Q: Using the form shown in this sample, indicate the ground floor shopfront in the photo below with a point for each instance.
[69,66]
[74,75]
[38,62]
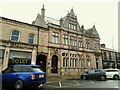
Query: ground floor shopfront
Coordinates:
[17,53]
[108,64]
[111,64]
[54,61]
[118,64]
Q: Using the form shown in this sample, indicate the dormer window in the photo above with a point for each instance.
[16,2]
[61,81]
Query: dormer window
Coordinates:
[72,26]
[69,26]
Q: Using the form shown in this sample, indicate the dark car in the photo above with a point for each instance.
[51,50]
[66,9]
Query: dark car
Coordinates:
[20,76]
[97,74]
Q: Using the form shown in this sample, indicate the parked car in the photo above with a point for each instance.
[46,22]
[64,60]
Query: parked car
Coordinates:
[20,76]
[113,73]
[97,74]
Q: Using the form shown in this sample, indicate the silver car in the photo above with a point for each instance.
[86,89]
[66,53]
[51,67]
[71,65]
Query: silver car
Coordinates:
[113,73]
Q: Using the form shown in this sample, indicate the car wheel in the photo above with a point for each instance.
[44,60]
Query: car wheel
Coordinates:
[102,78]
[116,77]
[84,78]
[19,84]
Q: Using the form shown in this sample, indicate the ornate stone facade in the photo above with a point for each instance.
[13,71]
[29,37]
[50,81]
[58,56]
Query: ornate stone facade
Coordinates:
[61,47]
[71,48]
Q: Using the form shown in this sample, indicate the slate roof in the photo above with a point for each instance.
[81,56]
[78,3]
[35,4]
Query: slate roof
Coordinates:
[92,32]
[51,20]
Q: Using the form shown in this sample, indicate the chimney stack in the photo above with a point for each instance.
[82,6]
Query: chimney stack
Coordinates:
[43,12]
[103,46]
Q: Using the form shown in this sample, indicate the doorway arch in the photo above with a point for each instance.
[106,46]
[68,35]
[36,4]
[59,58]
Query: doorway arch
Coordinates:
[41,60]
[54,64]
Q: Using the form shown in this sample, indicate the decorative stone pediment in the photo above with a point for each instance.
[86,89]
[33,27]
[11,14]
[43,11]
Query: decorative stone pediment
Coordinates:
[70,21]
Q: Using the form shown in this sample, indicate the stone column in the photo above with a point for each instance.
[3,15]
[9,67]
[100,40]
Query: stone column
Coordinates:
[34,55]
[6,58]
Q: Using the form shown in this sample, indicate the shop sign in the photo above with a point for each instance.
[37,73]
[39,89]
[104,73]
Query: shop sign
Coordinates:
[20,45]
[19,61]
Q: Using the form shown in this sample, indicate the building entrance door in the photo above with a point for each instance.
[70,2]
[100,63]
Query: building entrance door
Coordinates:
[97,63]
[54,64]
[41,60]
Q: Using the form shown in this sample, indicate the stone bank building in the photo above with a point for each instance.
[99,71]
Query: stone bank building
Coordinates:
[62,47]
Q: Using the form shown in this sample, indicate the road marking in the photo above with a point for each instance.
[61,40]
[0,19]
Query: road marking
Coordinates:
[40,85]
[76,82]
[91,81]
[52,86]
[116,86]
[60,84]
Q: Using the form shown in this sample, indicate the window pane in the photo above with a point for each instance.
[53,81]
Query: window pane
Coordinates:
[1,54]
[31,35]
[66,62]
[31,38]
[56,39]
[14,38]
[56,34]
[52,39]
[15,35]
[63,62]
[31,41]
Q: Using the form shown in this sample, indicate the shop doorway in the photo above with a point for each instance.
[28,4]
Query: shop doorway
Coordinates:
[97,63]
[41,60]
[54,64]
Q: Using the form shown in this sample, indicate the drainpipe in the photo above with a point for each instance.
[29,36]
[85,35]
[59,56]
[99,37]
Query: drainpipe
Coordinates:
[37,40]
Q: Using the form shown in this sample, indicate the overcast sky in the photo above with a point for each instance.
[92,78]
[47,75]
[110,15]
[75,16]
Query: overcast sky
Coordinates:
[102,13]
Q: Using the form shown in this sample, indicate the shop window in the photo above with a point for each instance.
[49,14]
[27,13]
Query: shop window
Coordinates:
[18,57]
